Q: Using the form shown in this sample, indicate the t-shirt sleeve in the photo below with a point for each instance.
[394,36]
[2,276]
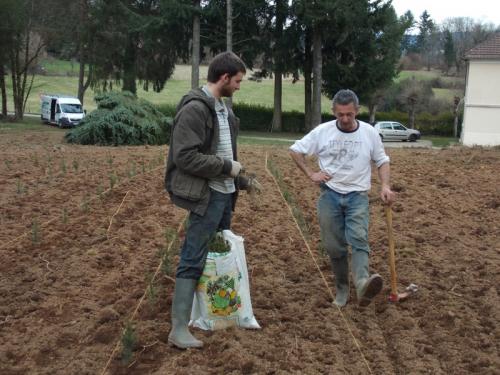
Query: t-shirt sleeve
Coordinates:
[379,156]
[307,145]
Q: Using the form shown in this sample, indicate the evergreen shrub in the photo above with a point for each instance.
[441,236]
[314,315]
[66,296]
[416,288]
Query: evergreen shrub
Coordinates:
[427,123]
[259,118]
[122,119]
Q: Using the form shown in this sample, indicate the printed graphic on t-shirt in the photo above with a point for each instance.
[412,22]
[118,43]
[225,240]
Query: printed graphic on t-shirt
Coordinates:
[344,152]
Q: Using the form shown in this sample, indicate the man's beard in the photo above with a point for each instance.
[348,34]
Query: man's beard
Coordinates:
[226,91]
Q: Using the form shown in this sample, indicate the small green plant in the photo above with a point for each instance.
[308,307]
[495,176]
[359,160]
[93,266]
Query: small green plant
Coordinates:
[143,165]
[100,189]
[166,261]
[218,244]
[34,157]
[35,232]
[63,166]
[132,171]
[322,250]
[171,238]
[65,215]
[160,159]
[128,341]
[286,195]
[50,171]
[75,165]
[20,189]
[110,160]
[112,179]
[151,291]
[170,235]
[85,207]
[165,252]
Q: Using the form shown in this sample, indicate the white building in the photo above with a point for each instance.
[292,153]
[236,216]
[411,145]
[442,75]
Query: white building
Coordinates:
[481,123]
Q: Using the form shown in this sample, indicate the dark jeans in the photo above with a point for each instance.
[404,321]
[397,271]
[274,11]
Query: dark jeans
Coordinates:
[200,229]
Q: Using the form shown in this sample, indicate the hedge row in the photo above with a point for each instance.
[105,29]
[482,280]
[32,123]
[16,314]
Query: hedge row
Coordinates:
[259,118]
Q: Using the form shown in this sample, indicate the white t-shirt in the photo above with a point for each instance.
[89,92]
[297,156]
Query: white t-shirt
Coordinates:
[346,156]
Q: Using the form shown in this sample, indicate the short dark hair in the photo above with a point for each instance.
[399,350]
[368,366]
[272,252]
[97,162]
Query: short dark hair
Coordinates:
[344,97]
[225,62]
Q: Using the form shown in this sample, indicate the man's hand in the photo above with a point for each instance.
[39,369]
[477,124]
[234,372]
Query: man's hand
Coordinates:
[253,186]
[319,177]
[387,195]
[235,168]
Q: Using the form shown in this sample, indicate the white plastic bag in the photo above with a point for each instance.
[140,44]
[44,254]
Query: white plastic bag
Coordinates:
[222,297]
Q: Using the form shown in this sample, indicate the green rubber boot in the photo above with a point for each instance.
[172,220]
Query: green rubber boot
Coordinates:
[367,287]
[181,312]
[340,268]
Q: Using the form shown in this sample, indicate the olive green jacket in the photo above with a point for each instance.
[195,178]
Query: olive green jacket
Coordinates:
[192,159]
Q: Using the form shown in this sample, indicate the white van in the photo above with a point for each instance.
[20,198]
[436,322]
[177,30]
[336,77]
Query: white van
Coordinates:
[63,111]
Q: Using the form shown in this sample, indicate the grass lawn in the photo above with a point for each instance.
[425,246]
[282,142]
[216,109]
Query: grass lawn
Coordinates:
[28,124]
[447,94]
[251,92]
[440,93]
[438,141]
[421,75]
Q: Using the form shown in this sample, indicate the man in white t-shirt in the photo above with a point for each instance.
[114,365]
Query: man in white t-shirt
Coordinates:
[345,149]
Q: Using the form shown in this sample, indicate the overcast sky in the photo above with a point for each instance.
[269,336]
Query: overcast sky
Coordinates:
[480,10]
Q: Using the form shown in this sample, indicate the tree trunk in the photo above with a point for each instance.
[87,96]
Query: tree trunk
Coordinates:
[277,124]
[129,71]
[229,38]
[456,102]
[317,77]
[279,56]
[411,116]
[372,109]
[195,61]
[3,90]
[81,74]
[455,125]
[82,84]
[307,82]
[16,86]
[229,25]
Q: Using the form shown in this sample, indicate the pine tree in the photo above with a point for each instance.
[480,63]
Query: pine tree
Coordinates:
[449,50]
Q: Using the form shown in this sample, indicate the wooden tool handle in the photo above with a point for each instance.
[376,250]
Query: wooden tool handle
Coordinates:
[392,255]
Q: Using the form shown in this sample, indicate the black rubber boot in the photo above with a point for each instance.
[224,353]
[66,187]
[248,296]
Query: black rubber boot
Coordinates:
[181,312]
[340,268]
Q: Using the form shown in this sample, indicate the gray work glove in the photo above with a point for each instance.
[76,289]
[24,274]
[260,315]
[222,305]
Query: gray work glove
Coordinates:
[253,185]
[235,168]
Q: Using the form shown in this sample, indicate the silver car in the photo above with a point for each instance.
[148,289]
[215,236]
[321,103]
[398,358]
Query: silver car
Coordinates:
[394,131]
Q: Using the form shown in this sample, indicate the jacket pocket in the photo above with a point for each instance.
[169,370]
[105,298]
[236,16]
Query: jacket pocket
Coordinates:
[189,187]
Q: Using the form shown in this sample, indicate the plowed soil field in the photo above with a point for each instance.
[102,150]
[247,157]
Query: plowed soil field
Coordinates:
[84,230]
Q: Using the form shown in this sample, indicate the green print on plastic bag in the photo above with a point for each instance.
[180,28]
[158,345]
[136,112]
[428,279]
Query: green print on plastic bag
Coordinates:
[223,298]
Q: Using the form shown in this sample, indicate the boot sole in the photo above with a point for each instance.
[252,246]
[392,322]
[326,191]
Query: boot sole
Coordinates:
[181,346]
[373,288]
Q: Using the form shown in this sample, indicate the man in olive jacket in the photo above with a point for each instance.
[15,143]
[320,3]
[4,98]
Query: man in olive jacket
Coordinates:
[203,177]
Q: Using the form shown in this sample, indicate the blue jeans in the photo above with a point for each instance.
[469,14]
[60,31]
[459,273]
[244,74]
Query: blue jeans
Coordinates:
[343,220]
[200,229]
